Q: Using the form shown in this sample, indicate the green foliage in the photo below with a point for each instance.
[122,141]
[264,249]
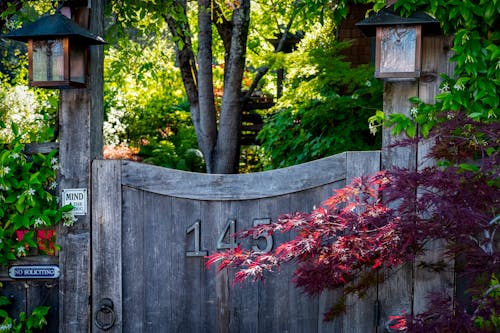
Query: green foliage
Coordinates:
[474,87]
[166,136]
[27,201]
[324,109]
[489,320]
[145,104]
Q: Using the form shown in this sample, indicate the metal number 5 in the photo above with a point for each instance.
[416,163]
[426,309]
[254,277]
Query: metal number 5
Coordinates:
[268,238]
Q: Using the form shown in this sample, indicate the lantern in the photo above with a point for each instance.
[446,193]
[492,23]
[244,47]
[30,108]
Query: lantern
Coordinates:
[398,45]
[57,51]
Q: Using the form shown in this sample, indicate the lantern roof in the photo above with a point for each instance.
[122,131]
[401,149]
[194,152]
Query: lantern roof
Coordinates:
[54,26]
[388,16]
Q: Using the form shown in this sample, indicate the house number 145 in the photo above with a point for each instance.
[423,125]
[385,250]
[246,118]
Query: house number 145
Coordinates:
[228,233]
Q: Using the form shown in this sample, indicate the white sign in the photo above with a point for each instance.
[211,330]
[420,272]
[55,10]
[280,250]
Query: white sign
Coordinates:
[34,272]
[77,197]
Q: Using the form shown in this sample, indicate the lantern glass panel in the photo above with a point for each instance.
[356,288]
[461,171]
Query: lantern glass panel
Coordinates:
[48,60]
[77,67]
[398,49]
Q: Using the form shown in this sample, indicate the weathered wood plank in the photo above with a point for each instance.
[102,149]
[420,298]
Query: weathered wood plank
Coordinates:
[234,187]
[217,309]
[159,276]
[74,261]
[187,296]
[134,278]
[244,301]
[436,52]
[274,301]
[360,311]
[40,148]
[395,294]
[107,239]
[304,308]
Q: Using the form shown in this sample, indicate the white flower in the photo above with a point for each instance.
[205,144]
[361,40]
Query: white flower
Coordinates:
[445,88]
[5,170]
[54,161]
[354,96]
[459,86]
[413,112]
[69,219]
[373,128]
[14,156]
[31,191]
[21,251]
[53,186]
[368,83]
[5,328]
[56,166]
[39,222]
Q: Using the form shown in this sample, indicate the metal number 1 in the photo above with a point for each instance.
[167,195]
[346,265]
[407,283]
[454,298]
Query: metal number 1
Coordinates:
[196,229]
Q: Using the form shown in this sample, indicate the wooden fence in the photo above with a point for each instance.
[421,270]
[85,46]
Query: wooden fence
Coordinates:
[153,226]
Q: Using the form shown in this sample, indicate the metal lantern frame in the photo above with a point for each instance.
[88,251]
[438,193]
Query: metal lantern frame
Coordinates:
[56,33]
[398,48]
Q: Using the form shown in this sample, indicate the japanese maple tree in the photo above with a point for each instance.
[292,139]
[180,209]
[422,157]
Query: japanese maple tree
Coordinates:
[380,222]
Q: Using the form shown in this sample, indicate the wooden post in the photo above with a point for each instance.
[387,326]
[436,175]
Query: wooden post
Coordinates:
[406,288]
[395,293]
[436,52]
[80,141]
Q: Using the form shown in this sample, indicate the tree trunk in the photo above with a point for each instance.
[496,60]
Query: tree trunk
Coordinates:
[227,149]
[220,146]
[207,132]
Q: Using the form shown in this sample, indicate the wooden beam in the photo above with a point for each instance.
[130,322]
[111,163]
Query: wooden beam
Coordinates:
[80,141]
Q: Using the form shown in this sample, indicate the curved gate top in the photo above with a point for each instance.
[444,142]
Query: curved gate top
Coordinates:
[152,228]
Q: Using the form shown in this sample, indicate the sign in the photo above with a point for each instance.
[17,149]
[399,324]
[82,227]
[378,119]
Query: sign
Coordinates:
[77,197]
[34,272]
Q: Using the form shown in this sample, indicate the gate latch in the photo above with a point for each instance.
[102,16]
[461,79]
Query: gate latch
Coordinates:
[105,315]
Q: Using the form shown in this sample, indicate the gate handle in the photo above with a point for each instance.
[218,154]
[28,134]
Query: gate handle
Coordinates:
[105,308]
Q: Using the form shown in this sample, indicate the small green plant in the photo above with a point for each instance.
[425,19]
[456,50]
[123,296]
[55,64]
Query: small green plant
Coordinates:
[24,323]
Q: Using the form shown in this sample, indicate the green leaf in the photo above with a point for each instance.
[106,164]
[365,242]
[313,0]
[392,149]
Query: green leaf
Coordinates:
[469,167]
[411,130]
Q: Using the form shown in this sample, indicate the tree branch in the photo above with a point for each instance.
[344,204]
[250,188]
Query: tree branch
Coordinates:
[224,27]
[261,71]
[184,51]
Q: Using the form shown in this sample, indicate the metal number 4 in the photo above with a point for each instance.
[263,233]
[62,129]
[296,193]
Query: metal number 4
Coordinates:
[229,233]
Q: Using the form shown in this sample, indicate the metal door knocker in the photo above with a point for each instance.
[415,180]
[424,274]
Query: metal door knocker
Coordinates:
[105,315]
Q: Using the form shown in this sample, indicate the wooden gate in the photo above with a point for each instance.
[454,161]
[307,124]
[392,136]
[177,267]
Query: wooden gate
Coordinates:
[153,226]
